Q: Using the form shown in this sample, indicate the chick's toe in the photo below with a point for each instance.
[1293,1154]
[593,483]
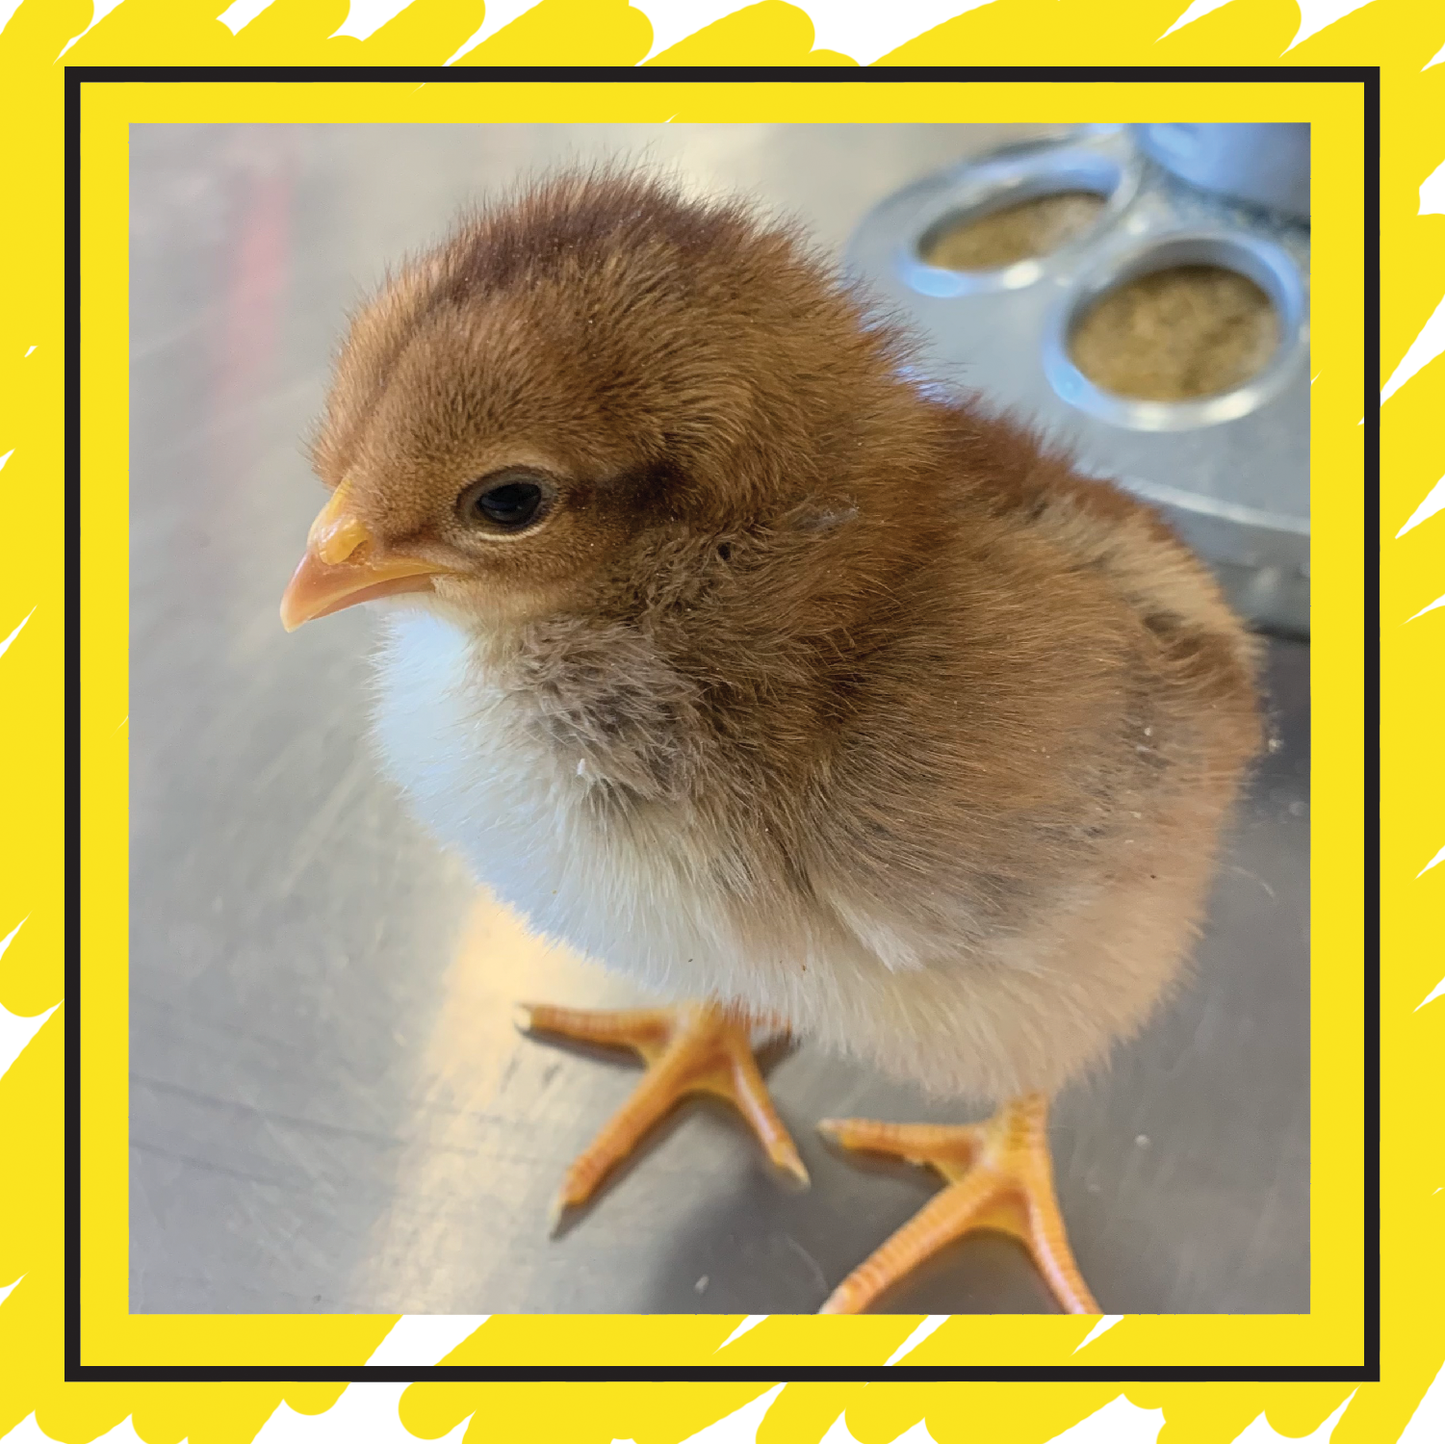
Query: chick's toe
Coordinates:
[999,1177]
[690,1048]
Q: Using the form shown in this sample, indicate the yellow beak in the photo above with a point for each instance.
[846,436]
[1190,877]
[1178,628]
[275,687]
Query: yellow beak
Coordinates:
[341,568]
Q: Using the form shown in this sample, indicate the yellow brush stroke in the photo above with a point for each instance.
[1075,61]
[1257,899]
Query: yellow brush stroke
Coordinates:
[1394,36]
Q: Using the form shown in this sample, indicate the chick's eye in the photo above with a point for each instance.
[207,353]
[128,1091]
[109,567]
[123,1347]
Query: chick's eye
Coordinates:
[513,503]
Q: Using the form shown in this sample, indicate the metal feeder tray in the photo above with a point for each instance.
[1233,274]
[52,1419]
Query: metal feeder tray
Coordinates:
[1230,471]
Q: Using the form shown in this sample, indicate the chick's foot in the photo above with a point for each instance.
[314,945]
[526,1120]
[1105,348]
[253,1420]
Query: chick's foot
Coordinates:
[691,1048]
[999,1177]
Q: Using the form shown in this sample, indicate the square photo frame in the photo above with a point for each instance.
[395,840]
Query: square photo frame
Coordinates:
[1337,1340]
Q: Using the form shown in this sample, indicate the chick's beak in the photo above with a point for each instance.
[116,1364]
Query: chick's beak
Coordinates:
[342,567]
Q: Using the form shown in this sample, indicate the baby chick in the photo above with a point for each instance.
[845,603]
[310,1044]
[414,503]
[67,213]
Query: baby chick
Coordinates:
[734,660]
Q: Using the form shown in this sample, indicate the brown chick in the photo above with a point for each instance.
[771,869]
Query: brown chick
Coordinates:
[730,658]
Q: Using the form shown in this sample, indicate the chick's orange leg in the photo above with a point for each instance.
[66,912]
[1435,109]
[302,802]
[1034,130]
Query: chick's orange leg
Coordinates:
[692,1048]
[999,1177]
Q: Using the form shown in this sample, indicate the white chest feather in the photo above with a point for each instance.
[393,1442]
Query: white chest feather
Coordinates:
[532,822]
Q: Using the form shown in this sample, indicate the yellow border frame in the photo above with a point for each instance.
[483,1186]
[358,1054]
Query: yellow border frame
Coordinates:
[1331,1334]
[1384,33]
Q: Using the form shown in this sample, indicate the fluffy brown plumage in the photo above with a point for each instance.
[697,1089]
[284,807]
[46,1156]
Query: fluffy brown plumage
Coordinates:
[896,724]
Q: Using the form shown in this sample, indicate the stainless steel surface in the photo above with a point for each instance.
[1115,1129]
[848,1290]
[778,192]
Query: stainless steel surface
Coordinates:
[330,1107]
[1266,165]
[1231,471]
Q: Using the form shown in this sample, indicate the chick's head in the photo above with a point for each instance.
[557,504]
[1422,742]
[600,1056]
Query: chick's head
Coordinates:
[595,367]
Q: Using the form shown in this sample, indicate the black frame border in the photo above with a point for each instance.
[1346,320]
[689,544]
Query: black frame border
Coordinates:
[1368,77]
